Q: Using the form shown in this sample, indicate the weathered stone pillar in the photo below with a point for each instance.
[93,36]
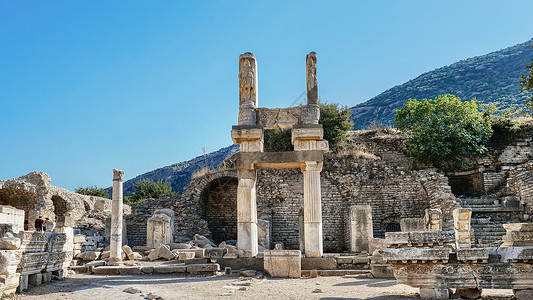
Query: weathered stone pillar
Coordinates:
[115,248]
[360,227]
[433,219]
[312,209]
[247,213]
[461,221]
[247,89]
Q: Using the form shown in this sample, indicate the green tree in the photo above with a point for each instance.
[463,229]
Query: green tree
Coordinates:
[146,188]
[335,120]
[277,140]
[527,83]
[92,191]
[444,131]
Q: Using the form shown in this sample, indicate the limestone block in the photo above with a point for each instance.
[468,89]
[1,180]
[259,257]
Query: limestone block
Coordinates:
[412,224]
[9,283]
[461,221]
[215,252]
[527,227]
[91,255]
[201,241]
[473,254]
[525,294]
[510,254]
[415,254]
[158,230]
[23,284]
[198,253]
[127,250]
[12,216]
[33,262]
[169,269]
[35,279]
[135,256]
[433,219]
[65,221]
[10,242]
[382,271]
[179,246]
[182,256]
[437,293]
[194,261]
[163,251]
[96,263]
[422,238]
[376,243]
[32,241]
[360,227]
[318,263]
[203,268]
[283,263]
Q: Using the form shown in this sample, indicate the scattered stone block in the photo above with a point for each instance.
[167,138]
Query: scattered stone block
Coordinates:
[215,252]
[183,256]
[468,293]
[193,261]
[203,269]
[247,273]
[318,263]
[9,241]
[198,253]
[382,271]
[284,263]
[201,241]
[179,246]
[163,251]
[230,256]
[440,293]
[523,294]
[132,290]
[91,255]
[96,263]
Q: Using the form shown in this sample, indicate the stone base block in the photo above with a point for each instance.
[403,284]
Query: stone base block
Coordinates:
[434,293]
[117,270]
[183,256]
[47,277]
[313,239]
[284,263]
[248,263]
[469,293]
[198,253]
[203,269]
[194,261]
[35,279]
[319,263]
[169,269]
[23,283]
[382,271]
[523,294]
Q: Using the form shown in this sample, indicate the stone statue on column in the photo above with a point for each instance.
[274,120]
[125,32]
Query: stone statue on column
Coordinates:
[247,89]
[311,112]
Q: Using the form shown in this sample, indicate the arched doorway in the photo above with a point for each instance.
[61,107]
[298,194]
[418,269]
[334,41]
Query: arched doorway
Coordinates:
[19,199]
[220,208]
[60,206]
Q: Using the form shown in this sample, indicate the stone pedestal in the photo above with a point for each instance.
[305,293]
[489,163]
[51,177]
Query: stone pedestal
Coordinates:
[283,263]
[115,247]
[461,221]
[312,209]
[247,214]
[433,219]
[159,228]
[412,224]
[360,227]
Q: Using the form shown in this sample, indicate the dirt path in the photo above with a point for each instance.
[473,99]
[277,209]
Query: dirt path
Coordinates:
[94,287]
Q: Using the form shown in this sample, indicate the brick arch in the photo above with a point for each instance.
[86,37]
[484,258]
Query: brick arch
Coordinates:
[60,206]
[20,198]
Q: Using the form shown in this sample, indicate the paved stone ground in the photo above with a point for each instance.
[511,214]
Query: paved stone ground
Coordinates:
[82,286]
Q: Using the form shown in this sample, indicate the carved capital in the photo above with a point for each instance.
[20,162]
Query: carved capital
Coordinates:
[247,174]
[312,166]
[118,175]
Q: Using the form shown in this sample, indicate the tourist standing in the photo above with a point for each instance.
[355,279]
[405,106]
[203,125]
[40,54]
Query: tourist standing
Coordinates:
[49,225]
[39,224]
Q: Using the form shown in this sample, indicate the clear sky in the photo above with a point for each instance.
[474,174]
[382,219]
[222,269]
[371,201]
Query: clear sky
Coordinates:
[89,86]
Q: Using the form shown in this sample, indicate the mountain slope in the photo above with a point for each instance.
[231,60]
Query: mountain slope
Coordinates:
[179,175]
[488,78]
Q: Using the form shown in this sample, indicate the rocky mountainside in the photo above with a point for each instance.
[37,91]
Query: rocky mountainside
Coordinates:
[493,77]
[179,174]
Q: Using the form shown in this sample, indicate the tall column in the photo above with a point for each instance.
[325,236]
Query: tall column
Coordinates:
[115,256]
[247,213]
[312,209]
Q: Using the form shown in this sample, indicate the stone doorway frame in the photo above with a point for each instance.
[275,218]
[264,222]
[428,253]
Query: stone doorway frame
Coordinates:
[309,146]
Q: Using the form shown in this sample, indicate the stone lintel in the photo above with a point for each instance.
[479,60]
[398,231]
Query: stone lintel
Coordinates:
[275,160]
[415,254]
[473,254]
[420,237]
[313,132]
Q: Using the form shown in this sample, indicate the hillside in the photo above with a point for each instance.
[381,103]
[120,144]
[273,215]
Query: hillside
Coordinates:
[488,78]
[179,174]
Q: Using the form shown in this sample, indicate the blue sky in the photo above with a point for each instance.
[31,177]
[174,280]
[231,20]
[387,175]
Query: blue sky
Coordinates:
[86,87]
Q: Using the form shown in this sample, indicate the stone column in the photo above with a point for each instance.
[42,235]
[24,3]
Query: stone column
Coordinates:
[247,89]
[312,209]
[433,219]
[115,255]
[461,222]
[361,229]
[247,213]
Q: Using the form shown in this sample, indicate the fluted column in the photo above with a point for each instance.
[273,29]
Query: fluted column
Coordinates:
[247,213]
[312,209]
[115,247]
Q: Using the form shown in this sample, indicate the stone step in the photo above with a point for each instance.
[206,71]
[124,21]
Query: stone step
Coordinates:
[340,272]
[478,201]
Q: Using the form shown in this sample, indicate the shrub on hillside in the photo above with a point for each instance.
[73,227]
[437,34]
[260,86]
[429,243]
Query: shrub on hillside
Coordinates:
[92,191]
[146,188]
[445,131]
